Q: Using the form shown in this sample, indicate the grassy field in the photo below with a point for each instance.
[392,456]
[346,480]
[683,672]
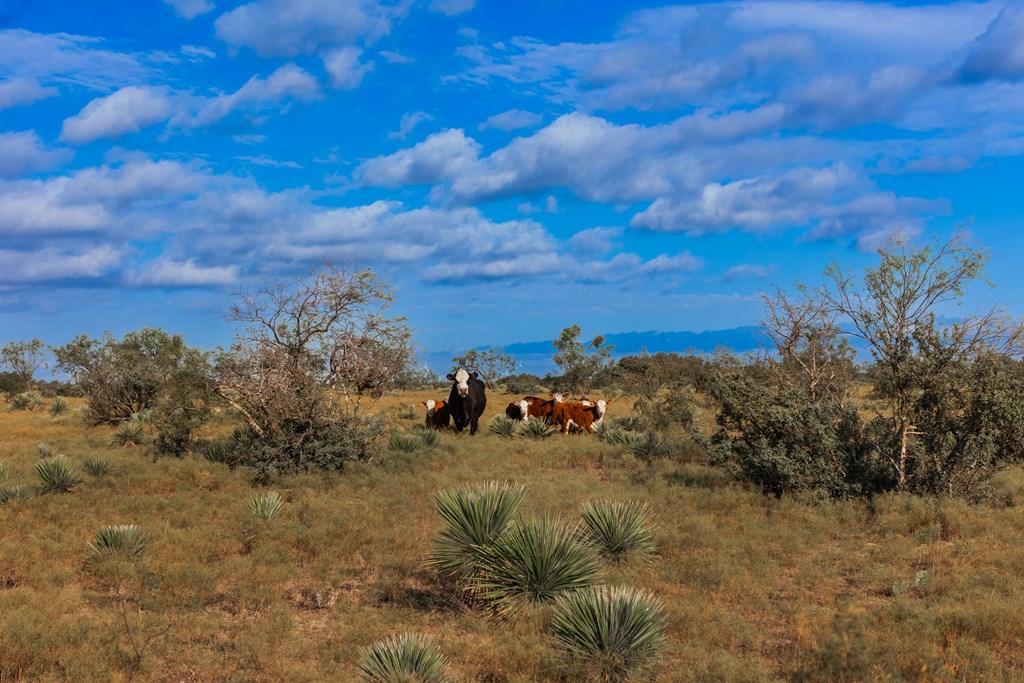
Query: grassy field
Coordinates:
[755,589]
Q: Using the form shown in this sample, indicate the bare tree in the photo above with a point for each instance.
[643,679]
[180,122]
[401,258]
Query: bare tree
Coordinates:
[24,358]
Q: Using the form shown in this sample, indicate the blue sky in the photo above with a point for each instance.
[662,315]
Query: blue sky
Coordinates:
[512,168]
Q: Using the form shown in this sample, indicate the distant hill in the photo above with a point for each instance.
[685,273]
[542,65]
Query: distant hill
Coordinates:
[535,356]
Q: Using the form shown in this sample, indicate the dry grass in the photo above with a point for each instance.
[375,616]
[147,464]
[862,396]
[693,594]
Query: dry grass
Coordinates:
[755,589]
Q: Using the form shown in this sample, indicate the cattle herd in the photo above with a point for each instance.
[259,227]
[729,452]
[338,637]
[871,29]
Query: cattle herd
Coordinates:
[467,400]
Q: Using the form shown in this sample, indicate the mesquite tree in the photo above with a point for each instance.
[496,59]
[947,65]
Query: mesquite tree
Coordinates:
[24,358]
[580,363]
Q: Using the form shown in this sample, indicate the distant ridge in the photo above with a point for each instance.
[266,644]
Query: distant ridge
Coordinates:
[535,356]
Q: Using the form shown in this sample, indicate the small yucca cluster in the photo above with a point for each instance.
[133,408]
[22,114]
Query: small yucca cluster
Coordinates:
[536,429]
[618,530]
[408,658]
[400,441]
[128,435]
[10,492]
[503,425]
[58,407]
[56,475]
[265,507]
[120,540]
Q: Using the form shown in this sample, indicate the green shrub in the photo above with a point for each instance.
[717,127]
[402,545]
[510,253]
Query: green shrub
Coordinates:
[406,658]
[58,407]
[649,446]
[265,507]
[618,530]
[44,451]
[430,438]
[614,436]
[536,429]
[404,442]
[503,426]
[533,561]
[95,467]
[609,632]
[629,423]
[29,400]
[128,435]
[122,540]
[473,518]
[56,475]
[218,451]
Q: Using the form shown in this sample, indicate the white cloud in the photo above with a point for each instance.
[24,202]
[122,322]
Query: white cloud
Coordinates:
[165,272]
[441,156]
[197,53]
[999,52]
[128,110]
[18,92]
[595,241]
[190,9]
[396,58]
[663,263]
[409,122]
[344,67]
[52,263]
[512,119]
[24,152]
[452,7]
[288,28]
[288,82]
[748,270]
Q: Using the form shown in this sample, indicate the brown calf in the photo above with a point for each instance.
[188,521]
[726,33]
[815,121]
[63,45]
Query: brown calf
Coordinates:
[438,414]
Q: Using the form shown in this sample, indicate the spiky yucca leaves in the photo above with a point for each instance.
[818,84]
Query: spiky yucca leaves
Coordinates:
[10,493]
[617,437]
[502,426]
[536,429]
[534,561]
[406,658]
[95,467]
[429,437]
[56,475]
[609,632]
[404,442]
[265,507]
[618,530]
[120,540]
[29,400]
[44,451]
[129,434]
[59,406]
[473,516]
[629,423]
[650,446]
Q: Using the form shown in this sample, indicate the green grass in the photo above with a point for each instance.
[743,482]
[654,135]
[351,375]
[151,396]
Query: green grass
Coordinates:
[753,588]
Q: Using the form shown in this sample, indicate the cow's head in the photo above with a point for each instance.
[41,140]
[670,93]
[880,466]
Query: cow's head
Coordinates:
[431,406]
[602,406]
[557,398]
[524,408]
[461,379]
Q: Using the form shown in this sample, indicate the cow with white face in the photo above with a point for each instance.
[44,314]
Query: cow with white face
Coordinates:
[518,410]
[438,414]
[467,400]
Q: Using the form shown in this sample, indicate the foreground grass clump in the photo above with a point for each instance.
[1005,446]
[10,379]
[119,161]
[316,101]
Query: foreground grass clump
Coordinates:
[609,632]
[474,517]
[128,435]
[536,429]
[56,475]
[123,540]
[265,507]
[618,530]
[503,425]
[59,406]
[534,561]
[406,658]
[400,441]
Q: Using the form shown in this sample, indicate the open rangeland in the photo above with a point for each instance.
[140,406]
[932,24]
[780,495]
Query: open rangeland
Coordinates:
[754,588]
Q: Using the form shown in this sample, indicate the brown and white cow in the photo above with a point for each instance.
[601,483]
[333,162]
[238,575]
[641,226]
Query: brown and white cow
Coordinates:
[518,410]
[438,414]
[566,415]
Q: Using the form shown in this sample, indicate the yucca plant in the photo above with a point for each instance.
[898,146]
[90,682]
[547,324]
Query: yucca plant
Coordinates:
[617,437]
[56,475]
[265,507]
[122,540]
[473,516]
[629,423]
[14,492]
[218,451]
[29,400]
[403,442]
[618,530]
[536,429]
[44,451]
[406,658]
[429,437]
[534,561]
[59,406]
[609,632]
[129,434]
[502,426]
[95,467]
[649,446]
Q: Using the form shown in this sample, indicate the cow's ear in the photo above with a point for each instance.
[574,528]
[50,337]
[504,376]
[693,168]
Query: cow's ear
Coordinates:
[451,377]
[423,402]
[529,403]
[472,375]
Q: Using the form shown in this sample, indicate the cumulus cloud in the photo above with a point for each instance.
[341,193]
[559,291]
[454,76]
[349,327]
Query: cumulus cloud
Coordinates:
[595,241]
[128,110]
[190,9]
[24,152]
[748,270]
[54,264]
[18,92]
[441,156]
[344,67]
[513,119]
[663,263]
[165,272]
[288,82]
[286,28]
[409,121]
[999,52]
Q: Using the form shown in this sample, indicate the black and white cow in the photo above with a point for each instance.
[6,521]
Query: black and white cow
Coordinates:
[467,400]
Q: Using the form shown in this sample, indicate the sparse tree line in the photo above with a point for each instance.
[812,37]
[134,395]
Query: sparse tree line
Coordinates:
[938,408]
